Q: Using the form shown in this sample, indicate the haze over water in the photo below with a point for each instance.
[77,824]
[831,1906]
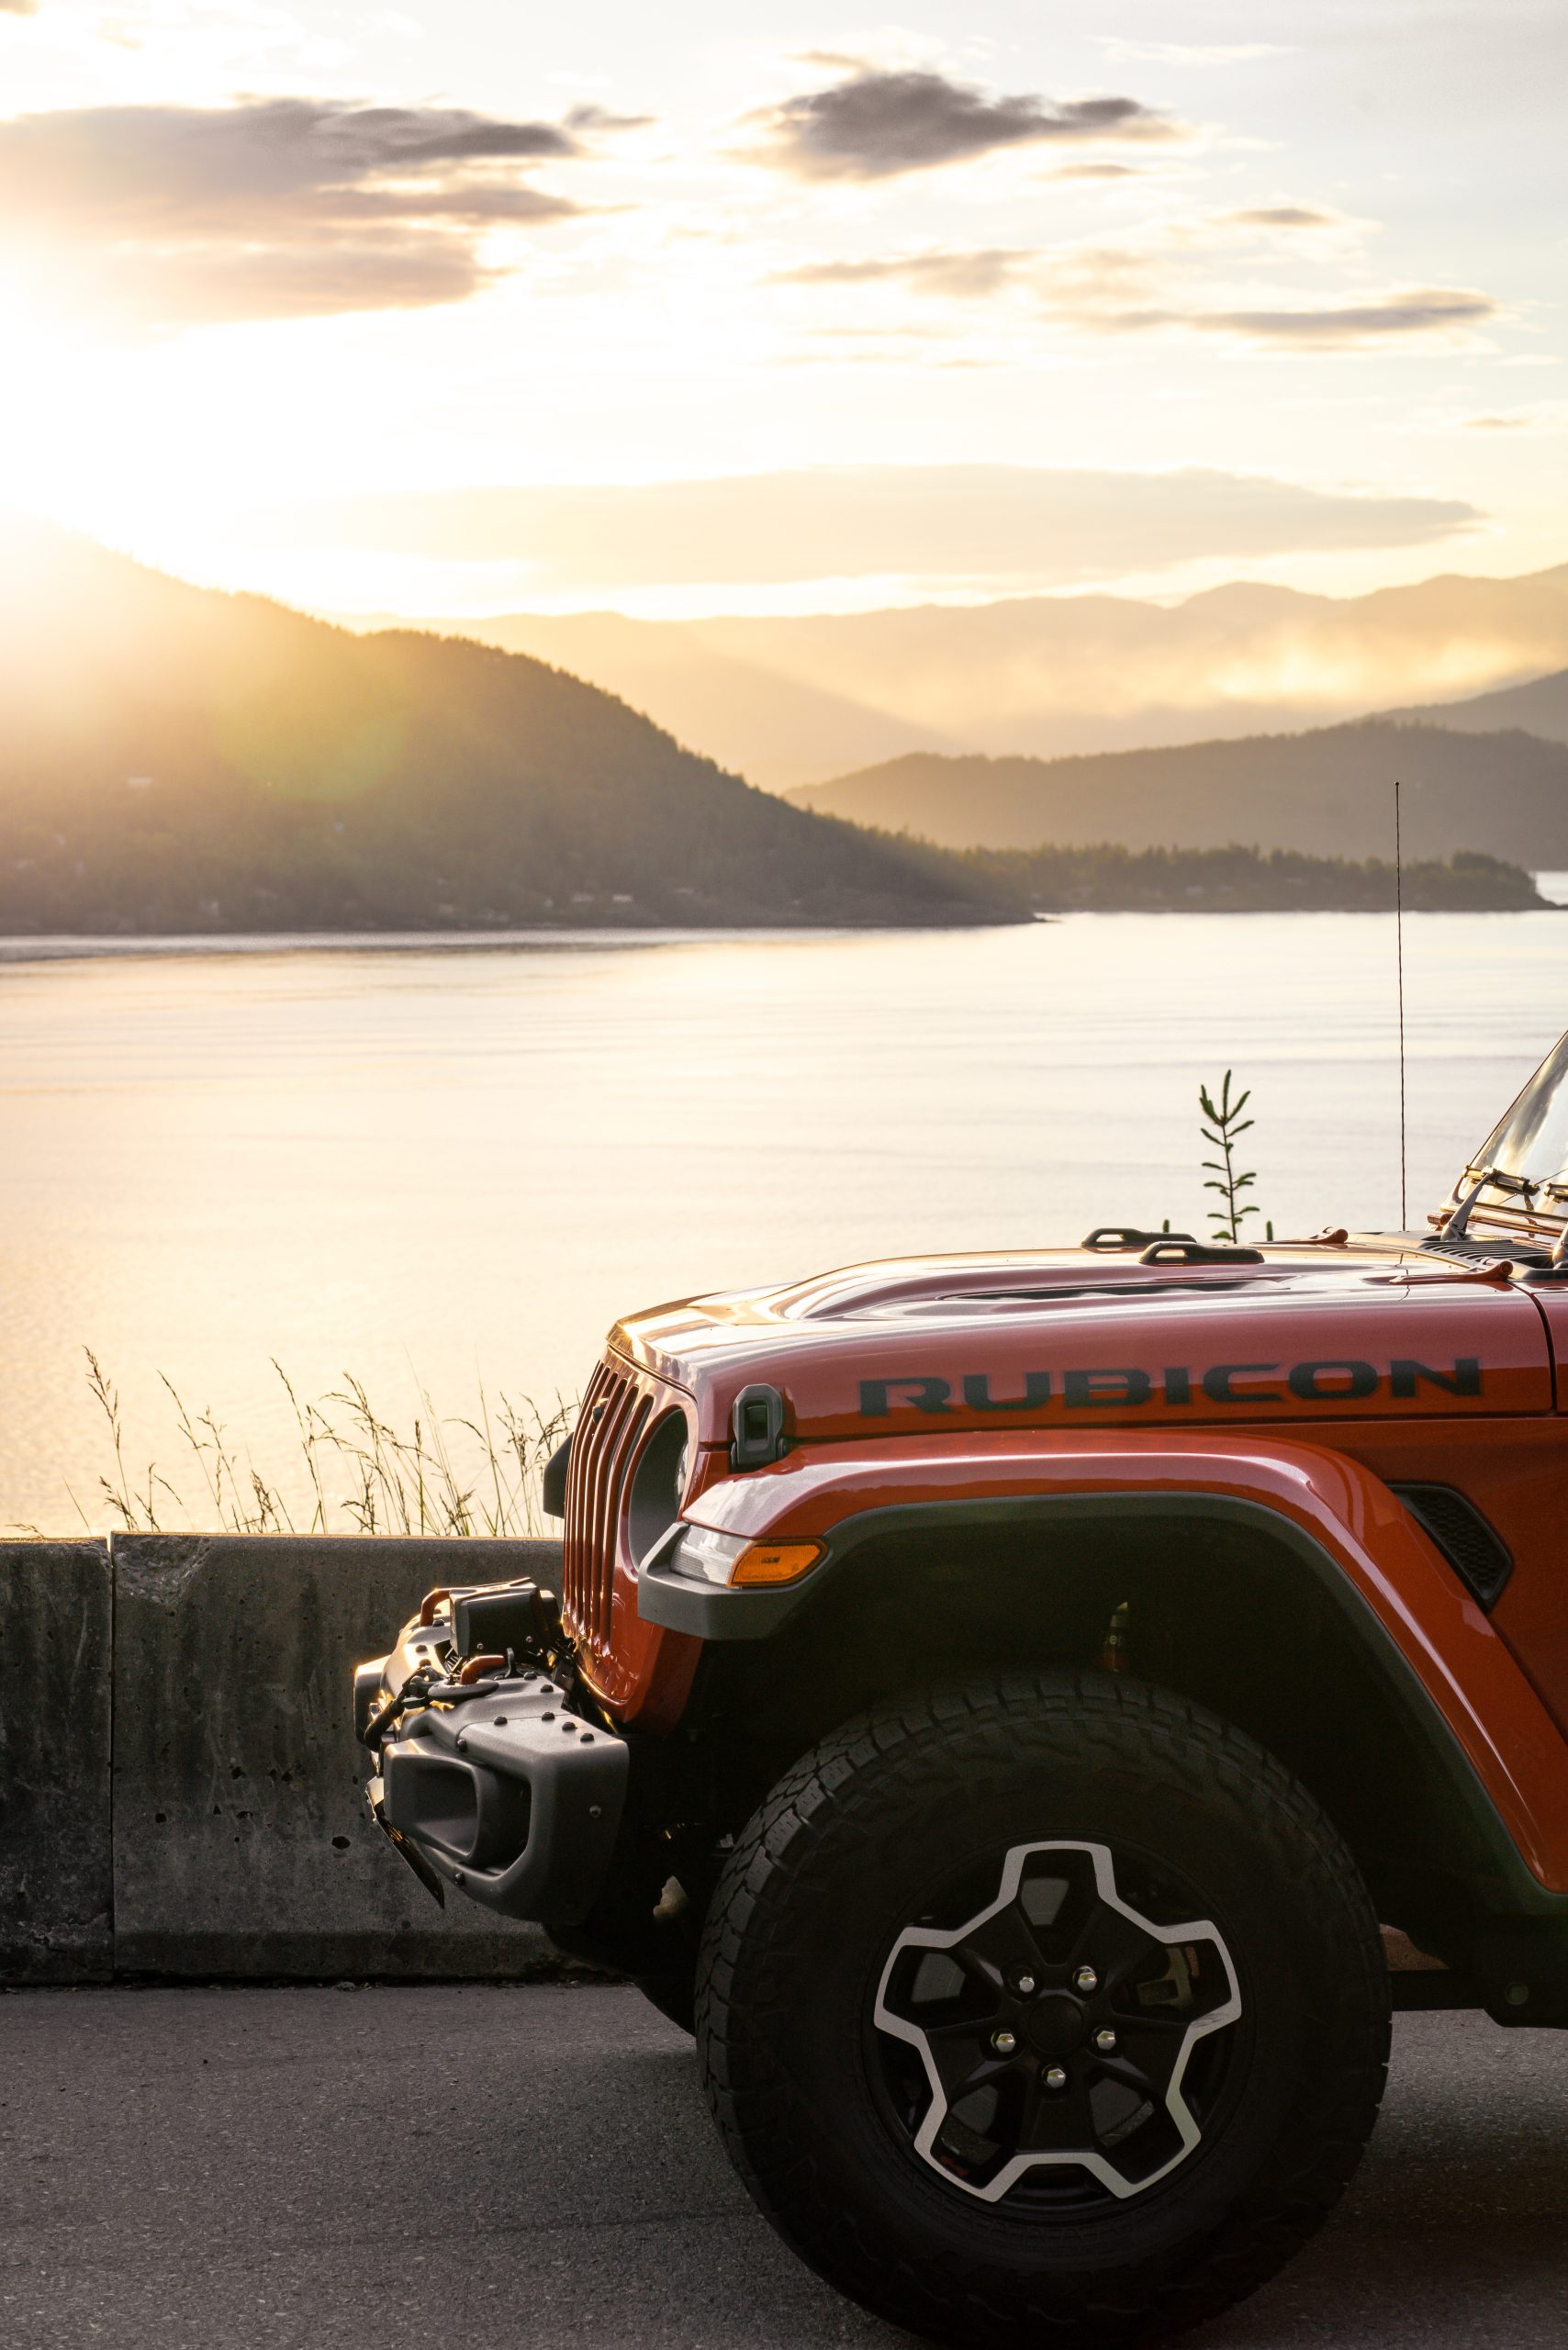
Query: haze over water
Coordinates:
[460,1161]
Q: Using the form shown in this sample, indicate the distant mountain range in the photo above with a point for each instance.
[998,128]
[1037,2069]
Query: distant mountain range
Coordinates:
[794,702]
[1540,707]
[175,760]
[1326,791]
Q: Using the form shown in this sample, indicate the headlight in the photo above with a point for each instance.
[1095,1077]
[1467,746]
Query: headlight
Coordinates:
[706,1554]
[710,1557]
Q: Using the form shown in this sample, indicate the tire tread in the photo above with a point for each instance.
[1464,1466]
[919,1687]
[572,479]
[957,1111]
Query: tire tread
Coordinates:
[875,1776]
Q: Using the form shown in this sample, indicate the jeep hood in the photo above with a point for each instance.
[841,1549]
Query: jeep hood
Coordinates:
[1071,1338]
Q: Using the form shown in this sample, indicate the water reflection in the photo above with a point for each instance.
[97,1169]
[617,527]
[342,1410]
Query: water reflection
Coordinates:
[458,1164]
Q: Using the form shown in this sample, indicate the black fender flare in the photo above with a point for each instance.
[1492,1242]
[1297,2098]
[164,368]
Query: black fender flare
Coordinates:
[723,1613]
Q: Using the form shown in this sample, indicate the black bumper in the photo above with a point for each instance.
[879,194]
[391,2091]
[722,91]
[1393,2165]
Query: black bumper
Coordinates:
[500,1791]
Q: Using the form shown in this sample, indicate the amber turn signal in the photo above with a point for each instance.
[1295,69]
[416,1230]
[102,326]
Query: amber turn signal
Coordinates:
[764,1562]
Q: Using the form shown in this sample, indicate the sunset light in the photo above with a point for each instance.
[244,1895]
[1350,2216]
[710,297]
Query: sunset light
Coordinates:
[270,273]
[902,681]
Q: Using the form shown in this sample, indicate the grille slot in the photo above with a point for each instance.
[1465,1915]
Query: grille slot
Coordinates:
[1473,1549]
[606,1439]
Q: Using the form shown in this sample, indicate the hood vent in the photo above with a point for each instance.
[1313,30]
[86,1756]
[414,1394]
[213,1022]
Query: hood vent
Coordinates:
[1175,1250]
[1126,1236]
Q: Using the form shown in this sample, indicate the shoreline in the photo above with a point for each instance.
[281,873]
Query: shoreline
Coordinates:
[60,946]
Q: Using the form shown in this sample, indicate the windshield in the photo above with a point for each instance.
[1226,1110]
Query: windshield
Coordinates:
[1532,1143]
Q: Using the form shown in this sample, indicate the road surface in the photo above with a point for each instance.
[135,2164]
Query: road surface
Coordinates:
[292,2169]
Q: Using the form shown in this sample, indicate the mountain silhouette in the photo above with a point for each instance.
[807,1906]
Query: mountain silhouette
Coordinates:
[173,758]
[1540,706]
[794,702]
[1328,792]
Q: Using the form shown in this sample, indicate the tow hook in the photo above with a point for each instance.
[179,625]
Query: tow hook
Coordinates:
[414,1692]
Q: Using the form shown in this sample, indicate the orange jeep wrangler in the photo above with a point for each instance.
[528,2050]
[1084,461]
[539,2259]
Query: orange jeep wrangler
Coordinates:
[996,1700]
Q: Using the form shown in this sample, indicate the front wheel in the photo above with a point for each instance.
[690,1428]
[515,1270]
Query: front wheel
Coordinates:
[1045,2007]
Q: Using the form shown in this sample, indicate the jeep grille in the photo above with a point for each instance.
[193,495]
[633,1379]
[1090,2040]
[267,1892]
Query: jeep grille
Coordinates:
[605,1441]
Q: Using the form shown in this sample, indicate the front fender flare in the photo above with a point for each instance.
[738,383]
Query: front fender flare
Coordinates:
[1462,1691]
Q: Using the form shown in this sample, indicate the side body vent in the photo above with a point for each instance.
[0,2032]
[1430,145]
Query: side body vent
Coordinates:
[1473,1549]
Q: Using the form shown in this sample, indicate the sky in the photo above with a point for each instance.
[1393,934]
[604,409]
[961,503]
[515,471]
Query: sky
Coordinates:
[719,308]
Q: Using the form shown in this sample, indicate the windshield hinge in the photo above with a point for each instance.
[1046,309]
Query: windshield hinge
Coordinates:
[1452,1227]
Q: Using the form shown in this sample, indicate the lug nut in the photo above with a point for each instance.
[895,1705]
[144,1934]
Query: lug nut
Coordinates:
[1056,2077]
[1004,2042]
[1025,1984]
[1106,2040]
[1086,1979]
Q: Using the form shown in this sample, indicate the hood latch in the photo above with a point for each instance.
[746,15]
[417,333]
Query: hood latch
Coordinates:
[756,1428]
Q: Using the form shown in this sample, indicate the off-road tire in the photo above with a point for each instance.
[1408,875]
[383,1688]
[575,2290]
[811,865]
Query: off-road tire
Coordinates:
[836,1864]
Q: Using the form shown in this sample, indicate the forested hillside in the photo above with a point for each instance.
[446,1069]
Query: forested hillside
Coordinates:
[1109,879]
[174,759]
[1328,792]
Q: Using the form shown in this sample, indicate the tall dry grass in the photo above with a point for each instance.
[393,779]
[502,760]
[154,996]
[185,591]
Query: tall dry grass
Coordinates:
[352,1472]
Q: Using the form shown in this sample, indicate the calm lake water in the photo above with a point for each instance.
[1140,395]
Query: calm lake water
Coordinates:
[445,1163]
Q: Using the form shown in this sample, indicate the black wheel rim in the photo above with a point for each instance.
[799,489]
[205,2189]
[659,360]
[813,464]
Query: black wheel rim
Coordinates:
[1044,2039]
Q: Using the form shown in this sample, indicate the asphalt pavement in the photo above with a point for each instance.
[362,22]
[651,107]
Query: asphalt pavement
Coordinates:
[505,2168]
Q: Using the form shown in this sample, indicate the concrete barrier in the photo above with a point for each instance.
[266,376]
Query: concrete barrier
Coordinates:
[242,1843]
[56,1624]
[181,1790]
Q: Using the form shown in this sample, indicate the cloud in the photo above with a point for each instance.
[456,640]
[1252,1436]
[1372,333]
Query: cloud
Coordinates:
[964,523]
[962,276]
[255,164]
[1424,310]
[1552,418]
[876,124]
[1151,280]
[588,116]
[328,279]
[1097,172]
[1128,289]
[1284,215]
[274,207]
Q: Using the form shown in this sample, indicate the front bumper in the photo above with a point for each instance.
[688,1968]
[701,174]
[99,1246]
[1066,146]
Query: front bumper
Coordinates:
[493,1785]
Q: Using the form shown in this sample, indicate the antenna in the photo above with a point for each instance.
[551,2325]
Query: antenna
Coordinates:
[1399,965]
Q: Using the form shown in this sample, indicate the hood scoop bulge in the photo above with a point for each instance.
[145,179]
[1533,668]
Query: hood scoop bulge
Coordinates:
[966,1303]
